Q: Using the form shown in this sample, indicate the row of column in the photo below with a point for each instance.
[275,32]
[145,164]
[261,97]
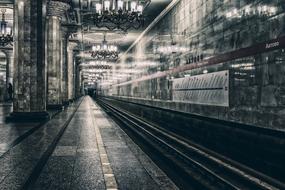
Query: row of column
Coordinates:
[44,64]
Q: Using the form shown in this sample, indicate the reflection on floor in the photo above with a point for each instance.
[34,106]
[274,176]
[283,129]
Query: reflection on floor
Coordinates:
[12,133]
[80,148]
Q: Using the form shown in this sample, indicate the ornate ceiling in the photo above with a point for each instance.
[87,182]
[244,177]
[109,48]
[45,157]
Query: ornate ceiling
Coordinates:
[91,34]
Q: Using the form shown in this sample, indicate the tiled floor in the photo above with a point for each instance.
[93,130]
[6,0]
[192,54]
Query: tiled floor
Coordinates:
[11,133]
[19,162]
[79,149]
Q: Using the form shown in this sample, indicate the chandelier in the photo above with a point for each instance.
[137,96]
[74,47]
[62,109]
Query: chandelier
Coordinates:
[118,14]
[104,51]
[6,32]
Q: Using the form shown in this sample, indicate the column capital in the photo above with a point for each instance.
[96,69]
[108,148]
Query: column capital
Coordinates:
[57,8]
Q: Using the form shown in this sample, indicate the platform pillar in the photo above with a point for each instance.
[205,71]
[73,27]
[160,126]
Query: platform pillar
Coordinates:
[55,55]
[9,71]
[29,101]
[71,71]
[78,91]
[10,66]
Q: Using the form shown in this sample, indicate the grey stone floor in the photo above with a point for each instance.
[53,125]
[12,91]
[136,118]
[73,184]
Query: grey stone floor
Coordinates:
[79,159]
[9,131]
[18,163]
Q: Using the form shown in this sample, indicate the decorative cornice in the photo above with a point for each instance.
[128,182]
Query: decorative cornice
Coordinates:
[7,48]
[8,51]
[67,30]
[72,28]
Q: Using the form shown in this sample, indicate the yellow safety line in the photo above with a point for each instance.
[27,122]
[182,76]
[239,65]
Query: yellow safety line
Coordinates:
[109,177]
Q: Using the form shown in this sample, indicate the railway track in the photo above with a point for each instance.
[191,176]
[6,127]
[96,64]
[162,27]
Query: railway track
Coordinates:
[190,165]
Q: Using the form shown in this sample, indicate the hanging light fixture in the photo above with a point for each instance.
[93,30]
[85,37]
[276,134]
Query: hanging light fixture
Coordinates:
[6,32]
[104,51]
[118,14]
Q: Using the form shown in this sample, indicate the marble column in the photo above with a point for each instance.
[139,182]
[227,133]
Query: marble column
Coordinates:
[29,101]
[64,63]
[81,83]
[55,58]
[9,70]
[78,79]
[10,66]
[71,71]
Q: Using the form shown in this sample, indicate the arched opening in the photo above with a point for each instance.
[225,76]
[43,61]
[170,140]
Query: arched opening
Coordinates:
[6,51]
[3,79]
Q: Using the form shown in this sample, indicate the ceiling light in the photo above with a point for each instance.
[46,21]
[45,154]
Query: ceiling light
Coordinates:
[104,51]
[117,14]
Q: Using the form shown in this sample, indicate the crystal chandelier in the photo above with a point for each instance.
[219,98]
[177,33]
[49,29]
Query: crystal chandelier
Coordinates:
[118,14]
[6,32]
[104,51]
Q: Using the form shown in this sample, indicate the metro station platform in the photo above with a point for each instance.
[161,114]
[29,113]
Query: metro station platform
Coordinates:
[109,143]
[146,94]
[78,148]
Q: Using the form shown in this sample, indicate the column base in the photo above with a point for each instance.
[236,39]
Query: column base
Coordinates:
[28,116]
[55,107]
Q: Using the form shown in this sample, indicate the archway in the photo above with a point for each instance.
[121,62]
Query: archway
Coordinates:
[3,79]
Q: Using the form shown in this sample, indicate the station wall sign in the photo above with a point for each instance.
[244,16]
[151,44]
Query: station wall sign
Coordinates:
[103,67]
[206,89]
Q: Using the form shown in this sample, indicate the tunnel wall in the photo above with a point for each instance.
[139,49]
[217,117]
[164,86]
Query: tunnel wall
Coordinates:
[242,37]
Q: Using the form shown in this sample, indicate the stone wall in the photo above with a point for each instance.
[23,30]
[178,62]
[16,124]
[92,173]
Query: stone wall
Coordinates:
[199,36]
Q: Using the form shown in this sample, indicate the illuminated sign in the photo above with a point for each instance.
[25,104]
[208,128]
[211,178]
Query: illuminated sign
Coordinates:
[272,45]
[103,67]
[207,89]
